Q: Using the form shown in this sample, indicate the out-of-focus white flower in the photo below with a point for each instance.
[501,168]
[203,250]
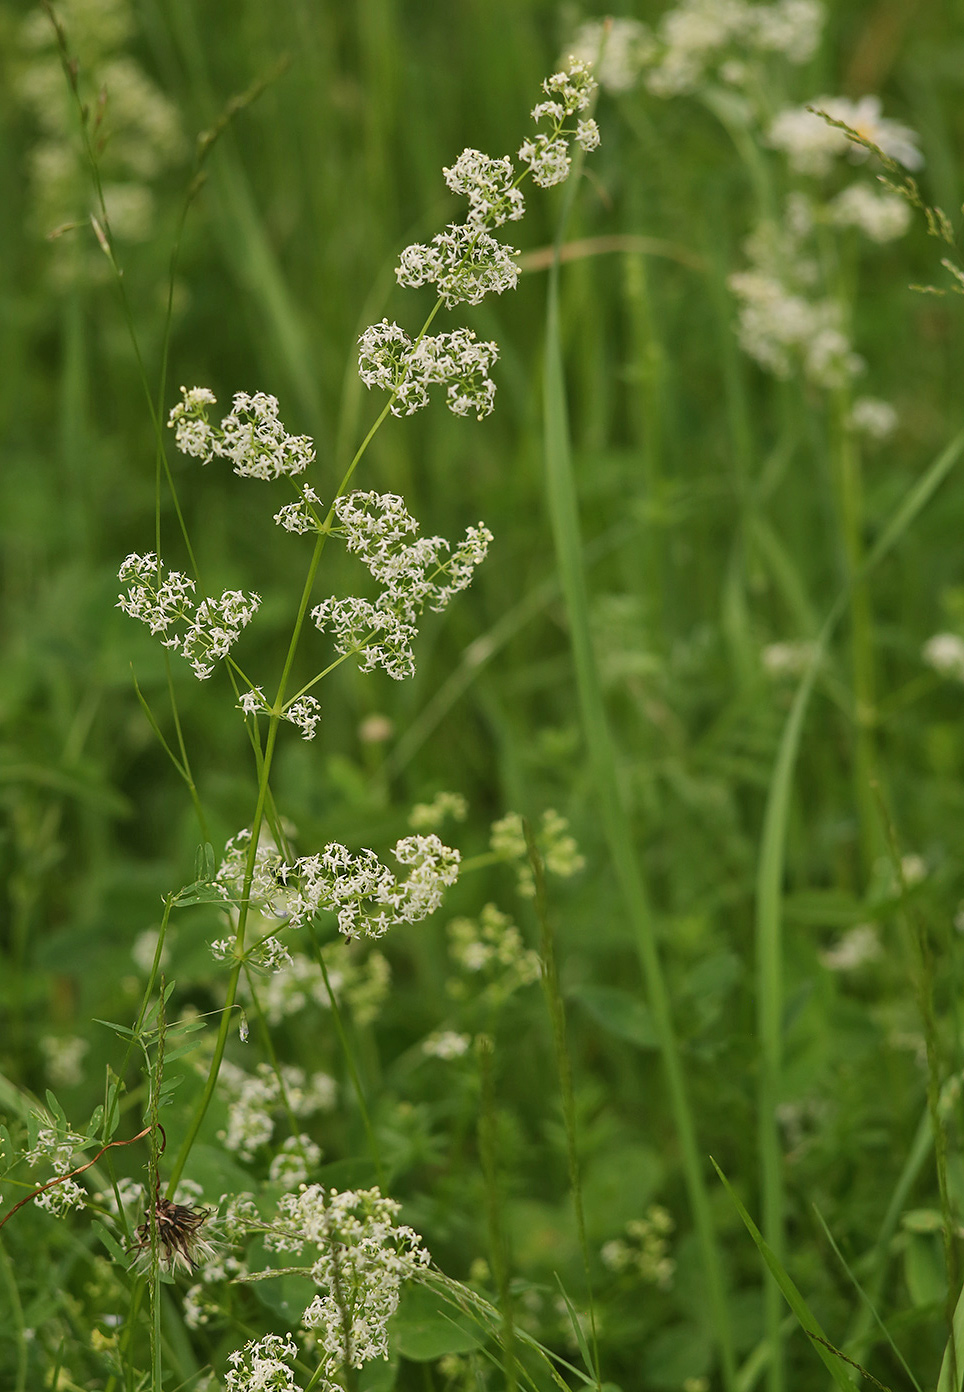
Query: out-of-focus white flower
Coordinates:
[64,1058]
[945,653]
[427,816]
[881,216]
[446,1044]
[875,419]
[787,659]
[618,57]
[703,39]
[858,945]
[812,144]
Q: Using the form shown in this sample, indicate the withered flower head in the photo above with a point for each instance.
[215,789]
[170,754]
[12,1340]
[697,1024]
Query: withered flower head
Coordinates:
[178,1234]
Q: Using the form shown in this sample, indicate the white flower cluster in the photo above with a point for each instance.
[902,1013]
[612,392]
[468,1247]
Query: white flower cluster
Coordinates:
[458,361]
[881,216]
[874,419]
[251,436]
[784,321]
[415,574]
[489,185]
[292,1164]
[547,155]
[254,1098]
[643,1251]
[301,516]
[446,1044]
[812,145]
[64,1058]
[303,711]
[557,847]
[267,890]
[787,659]
[619,55]
[56,1147]
[160,601]
[138,128]
[365,895]
[364,1255]
[359,982]
[859,945]
[426,816]
[268,954]
[491,947]
[262,1366]
[702,40]
[464,263]
[945,653]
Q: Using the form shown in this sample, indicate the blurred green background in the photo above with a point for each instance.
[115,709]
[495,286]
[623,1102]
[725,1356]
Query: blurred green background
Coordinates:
[681,447]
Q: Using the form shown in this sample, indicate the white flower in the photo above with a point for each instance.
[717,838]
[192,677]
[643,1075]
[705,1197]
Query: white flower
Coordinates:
[876,419]
[812,144]
[251,435]
[64,1058]
[299,517]
[787,659]
[389,359]
[547,158]
[291,1166]
[425,816]
[363,1256]
[945,653]
[213,626]
[858,945]
[489,186]
[619,56]
[464,262]
[446,1045]
[587,135]
[262,1366]
[62,1198]
[880,216]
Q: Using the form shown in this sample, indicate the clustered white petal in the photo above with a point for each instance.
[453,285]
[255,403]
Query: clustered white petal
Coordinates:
[458,361]
[415,574]
[784,321]
[703,40]
[363,1256]
[300,516]
[251,435]
[253,1100]
[212,626]
[367,897]
[489,185]
[812,145]
[303,711]
[464,262]
[262,1366]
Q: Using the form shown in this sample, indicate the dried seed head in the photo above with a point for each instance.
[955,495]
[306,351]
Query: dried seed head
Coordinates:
[178,1233]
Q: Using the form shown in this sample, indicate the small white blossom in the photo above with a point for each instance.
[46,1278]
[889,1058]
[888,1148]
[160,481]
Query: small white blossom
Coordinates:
[459,361]
[877,420]
[812,144]
[464,262]
[700,39]
[883,217]
[858,945]
[262,1366]
[305,713]
[291,1166]
[945,653]
[62,1198]
[213,625]
[618,56]
[363,1256]
[298,517]
[547,159]
[587,135]
[489,186]
[446,1045]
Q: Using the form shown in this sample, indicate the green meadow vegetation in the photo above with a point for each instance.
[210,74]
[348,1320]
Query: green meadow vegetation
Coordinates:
[566,995]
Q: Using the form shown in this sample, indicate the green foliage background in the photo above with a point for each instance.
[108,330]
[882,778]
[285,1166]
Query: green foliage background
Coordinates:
[687,459]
